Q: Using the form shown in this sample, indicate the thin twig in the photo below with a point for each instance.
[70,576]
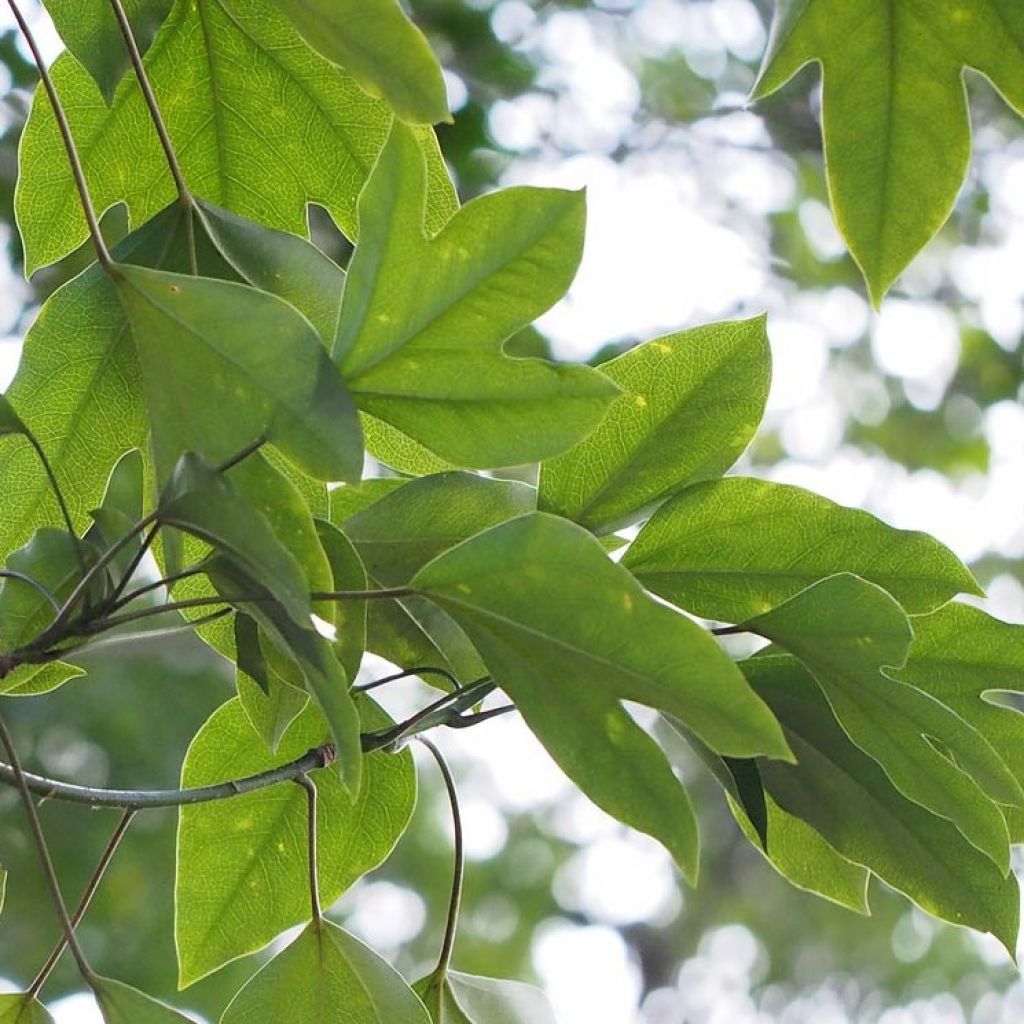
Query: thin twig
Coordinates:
[21,577]
[133,565]
[45,860]
[314,877]
[729,630]
[143,799]
[447,944]
[59,495]
[102,254]
[83,905]
[419,670]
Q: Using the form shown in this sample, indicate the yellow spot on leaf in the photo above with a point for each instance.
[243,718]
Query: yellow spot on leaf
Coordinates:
[641,402]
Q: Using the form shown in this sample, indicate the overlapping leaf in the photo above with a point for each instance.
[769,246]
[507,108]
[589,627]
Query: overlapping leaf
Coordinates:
[729,549]
[121,1004]
[241,876]
[224,364]
[423,318]
[690,404]
[378,45]
[262,126]
[845,796]
[897,137]
[327,976]
[847,632]
[962,657]
[456,998]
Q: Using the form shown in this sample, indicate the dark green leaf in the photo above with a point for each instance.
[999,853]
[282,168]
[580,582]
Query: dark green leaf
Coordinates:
[327,976]
[539,595]
[281,263]
[729,549]
[423,318]
[201,501]
[347,617]
[964,657]
[264,127]
[897,135]
[90,31]
[690,405]
[847,631]
[224,364]
[242,869]
[845,796]
[122,1004]
[378,45]
[10,421]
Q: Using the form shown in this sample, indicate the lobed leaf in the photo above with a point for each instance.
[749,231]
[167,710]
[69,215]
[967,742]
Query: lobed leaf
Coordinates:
[729,549]
[242,872]
[690,404]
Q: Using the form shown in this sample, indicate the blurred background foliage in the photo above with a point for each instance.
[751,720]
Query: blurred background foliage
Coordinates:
[913,412]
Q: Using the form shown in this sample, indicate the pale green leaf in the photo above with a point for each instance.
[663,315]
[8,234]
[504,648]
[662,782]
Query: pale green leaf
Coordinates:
[729,549]
[847,632]
[378,45]
[90,31]
[262,125]
[32,680]
[538,595]
[894,110]
[423,318]
[327,976]
[690,404]
[18,1008]
[389,446]
[457,998]
[208,345]
[122,1004]
[844,795]
[965,658]
[242,873]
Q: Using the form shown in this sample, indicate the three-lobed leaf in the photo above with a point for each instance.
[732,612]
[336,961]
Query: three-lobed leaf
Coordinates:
[894,110]
[242,873]
[690,404]
[424,316]
[327,976]
[733,548]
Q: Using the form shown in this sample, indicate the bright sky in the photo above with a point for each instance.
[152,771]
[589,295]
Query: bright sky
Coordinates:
[678,236]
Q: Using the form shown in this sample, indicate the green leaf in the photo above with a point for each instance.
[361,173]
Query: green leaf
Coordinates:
[423,318]
[347,617]
[32,680]
[18,1008]
[206,344]
[90,31]
[3,886]
[729,549]
[242,874]
[327,976]
[378,45]
[690,404]
[847,631]
[281,263]
[458,998]
[895,120]
[964,657]
[122,1004]
[80,387]
[122,508]
[799,853]
[538,596]
[10,421]
[845,796]
[264,127]
[388,445]
[349,499]
[199,500]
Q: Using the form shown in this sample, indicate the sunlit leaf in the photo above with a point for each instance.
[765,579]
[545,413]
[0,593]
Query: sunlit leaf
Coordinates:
[18,1008]
[894,110]
[456,998]
[423,318]
[122,1004]
[729,549]
[262,126]
[690,405]
[242,874]
[847,632]
[378,45]
[846,796]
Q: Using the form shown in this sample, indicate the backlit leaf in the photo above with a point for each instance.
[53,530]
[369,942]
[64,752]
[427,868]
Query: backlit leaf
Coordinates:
[894,110]
[122,1004]
[457,998]
[423,318]
[729,549]
[18,1008]
[690,404]
[242,873]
